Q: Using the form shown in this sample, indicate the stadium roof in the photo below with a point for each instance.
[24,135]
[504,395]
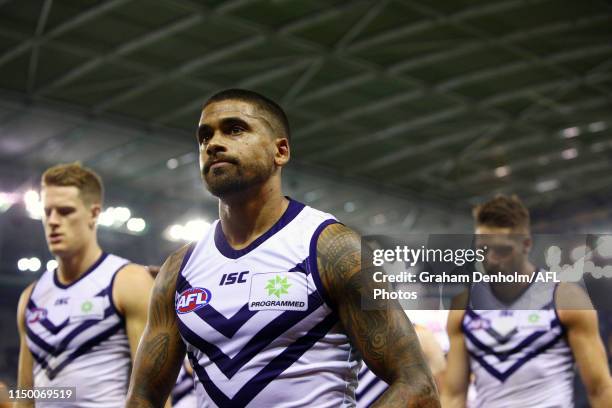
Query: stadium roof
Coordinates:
[444,102]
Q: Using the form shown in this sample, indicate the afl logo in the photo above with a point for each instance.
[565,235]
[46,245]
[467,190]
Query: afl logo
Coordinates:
[36,315]
[192,299]
[479,323]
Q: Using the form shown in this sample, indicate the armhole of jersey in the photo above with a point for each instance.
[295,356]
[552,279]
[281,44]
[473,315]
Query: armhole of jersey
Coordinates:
[468,302]
[468,306]
[29,300]
[312,260]
[184,262]
[462,324]
[110,292]
[554,302]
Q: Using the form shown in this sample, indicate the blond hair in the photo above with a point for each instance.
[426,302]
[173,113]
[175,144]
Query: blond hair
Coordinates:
[86,180]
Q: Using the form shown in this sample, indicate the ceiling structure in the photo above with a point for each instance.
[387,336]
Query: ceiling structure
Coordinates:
[404,112]
[398,107]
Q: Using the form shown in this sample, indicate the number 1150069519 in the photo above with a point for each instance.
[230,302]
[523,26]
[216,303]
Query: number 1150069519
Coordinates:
[39,394]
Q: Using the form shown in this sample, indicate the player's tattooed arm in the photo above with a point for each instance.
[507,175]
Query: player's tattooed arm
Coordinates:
[161,350]
[385,337]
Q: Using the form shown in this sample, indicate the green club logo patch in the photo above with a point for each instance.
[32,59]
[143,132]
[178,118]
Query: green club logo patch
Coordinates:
[533,318]
[278,291]
[86,306]
[277,286]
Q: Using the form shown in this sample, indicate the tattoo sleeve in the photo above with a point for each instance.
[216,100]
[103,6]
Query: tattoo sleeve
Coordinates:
[161,350]
[385,337]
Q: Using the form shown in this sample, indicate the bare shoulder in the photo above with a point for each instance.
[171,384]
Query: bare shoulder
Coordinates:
[573,305]
[135,277]
[425,335]
[166,278]
[128,280]
[23,304]
[456,313]
[172,265]
[571,296]
[132,276]
[336,239]
[161,312]
[26,293]
[460,302]
[338,254]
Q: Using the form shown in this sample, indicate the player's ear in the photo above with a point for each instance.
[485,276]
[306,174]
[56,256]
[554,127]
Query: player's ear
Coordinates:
[527,244]
[95,210]
[283,152]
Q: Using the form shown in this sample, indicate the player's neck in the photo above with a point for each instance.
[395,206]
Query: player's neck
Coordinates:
[246,216]
[70,268]
[509,292]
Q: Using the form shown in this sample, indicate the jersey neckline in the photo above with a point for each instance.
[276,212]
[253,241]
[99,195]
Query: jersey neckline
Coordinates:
[87,272]
[293,209]
[513,302]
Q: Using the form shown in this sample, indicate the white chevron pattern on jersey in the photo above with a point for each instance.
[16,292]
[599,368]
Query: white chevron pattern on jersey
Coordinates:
[258,326]
[78,338]
[183,393]
[519,356]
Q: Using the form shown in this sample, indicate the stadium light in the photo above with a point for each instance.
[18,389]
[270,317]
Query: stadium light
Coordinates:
[172,164]
[597,126]
[175,232]
[547,185]
[29,264]
[194,229]
[604,246]
[349,206]
[122,214]
[571,132]
[502,171]
[191,231]
[6,201]
[120,219]
[33,205]
[136,224]
[23,264]
[106,217]
[51,264]
[35,264]
[569,154]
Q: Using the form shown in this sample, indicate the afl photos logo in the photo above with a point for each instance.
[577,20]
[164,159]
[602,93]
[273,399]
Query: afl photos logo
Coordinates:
[192,299]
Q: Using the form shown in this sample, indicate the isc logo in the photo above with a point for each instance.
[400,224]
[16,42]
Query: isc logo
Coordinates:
[231,278]
[192,299]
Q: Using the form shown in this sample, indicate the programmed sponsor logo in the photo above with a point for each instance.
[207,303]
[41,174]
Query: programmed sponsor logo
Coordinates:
[192,299]
[279,291]
[278,303]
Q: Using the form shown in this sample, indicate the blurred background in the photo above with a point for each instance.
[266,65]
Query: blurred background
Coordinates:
[404,114]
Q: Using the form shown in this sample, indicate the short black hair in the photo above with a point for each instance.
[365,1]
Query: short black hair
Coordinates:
[257,99]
